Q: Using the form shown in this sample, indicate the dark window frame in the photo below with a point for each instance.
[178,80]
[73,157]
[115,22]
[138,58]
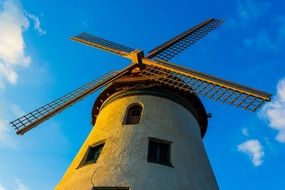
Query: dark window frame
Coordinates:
[111,188]
[87,159]
[129,118]
[156,155]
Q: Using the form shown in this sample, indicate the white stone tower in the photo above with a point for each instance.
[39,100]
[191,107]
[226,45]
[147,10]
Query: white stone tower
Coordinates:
[145,136]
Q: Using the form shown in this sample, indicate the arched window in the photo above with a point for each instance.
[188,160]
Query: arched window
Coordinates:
[133,114]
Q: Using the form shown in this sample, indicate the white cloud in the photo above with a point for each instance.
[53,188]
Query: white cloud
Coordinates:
[12,46]
[2,187]
[274,111]
[14,21]
[37,23]
[20,185]
[250,10]
[254,150]
[9,73]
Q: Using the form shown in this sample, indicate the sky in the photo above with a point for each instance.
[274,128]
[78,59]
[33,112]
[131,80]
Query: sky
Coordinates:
[39,63]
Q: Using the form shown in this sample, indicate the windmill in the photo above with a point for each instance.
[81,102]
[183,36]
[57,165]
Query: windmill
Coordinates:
[141,90]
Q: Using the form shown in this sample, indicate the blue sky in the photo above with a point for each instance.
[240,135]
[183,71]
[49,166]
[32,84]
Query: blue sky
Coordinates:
[39,63]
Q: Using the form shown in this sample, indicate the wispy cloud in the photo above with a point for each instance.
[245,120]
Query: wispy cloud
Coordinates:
[13,23]
[37,23]
[7,112]
[244,131]
[12,47]
[17,110]
[247,12]
[281,31]
[2,187]
[264,40]
[261,41]
[5,139]
[250,10]
[17,185]
[274,112]
[254,150]
[20,185]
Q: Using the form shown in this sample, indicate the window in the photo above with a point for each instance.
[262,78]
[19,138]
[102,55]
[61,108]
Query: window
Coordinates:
[92,154]
[159,151]
[110,188]
[133,114]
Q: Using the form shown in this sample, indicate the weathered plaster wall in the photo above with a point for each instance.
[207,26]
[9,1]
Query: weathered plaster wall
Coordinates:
[123,160]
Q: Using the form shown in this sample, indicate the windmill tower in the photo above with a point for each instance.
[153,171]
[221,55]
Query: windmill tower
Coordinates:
[148,120]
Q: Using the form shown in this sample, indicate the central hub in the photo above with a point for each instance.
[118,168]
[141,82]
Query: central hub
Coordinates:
[136,56]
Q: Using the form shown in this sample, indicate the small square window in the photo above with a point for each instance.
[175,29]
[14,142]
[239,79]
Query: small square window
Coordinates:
[92,154]
[159,151]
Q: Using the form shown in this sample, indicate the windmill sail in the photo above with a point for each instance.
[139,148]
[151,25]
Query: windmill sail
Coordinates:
[176,45]
[155,67]
[205,85]
[97,42]
[36,117]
